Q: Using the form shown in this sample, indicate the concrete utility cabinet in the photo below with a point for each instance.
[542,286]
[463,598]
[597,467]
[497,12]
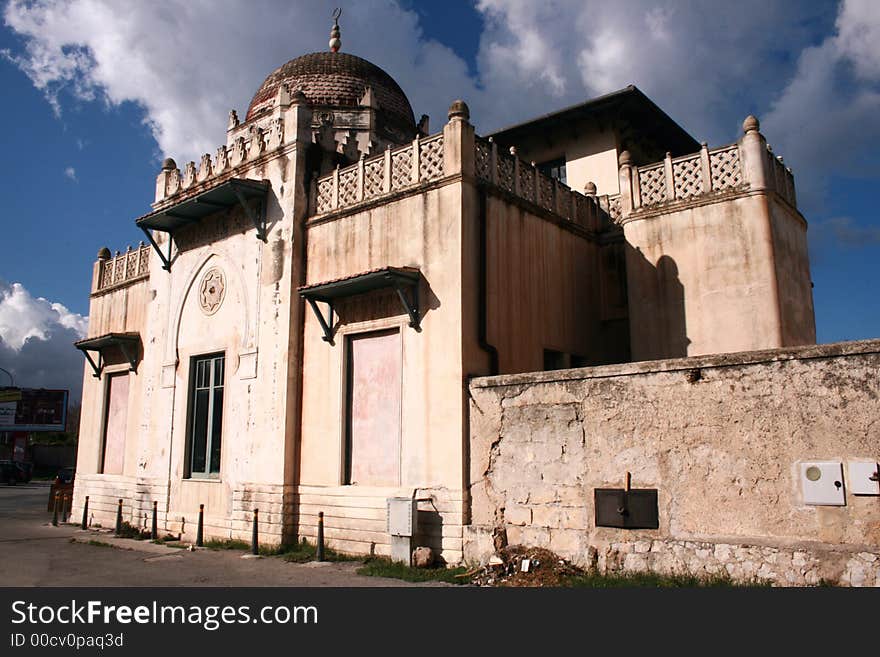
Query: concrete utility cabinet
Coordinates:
[402,525]
[822,483]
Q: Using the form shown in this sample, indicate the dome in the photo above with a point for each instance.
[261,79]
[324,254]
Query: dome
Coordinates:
[335,79]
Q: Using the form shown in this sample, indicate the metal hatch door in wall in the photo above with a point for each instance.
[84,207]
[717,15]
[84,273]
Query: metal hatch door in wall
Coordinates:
[373,409]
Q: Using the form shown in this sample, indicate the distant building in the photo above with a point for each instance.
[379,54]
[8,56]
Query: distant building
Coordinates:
[299,333]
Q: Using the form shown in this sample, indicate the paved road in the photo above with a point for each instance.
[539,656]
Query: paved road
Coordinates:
[34,553]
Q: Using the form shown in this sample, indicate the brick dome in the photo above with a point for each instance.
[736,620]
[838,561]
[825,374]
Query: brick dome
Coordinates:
[335,79]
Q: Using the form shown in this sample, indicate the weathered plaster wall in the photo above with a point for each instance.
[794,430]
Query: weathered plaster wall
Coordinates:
[543,288]
[719,437]
[253,326]
[702,280]
[792,274]
[421,230]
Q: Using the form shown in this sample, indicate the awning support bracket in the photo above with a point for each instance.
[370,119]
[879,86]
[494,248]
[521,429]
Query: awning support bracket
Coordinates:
[128,344]
[326,324]
[131,357]
[257,218]
[97,368]
[166,260]
[412,309]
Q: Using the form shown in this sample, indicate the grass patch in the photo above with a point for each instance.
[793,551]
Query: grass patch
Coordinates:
[127,530]
[384,567]
[304,551]
[100,544]
[226,544]
[293,552]
[654,580]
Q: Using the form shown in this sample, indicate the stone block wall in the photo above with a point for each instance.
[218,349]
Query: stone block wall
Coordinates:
[721,438]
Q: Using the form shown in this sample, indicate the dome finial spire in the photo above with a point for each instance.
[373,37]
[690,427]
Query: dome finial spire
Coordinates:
[335,41]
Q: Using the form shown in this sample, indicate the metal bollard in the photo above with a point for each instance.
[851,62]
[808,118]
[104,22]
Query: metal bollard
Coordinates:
[319,553]
[85,518]
[154,532]
[119,518]
[66,503]
[255,545]
[55,511]
[200,530]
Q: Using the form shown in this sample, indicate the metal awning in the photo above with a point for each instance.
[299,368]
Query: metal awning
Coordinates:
[401,279]
[190,210]
[128,343]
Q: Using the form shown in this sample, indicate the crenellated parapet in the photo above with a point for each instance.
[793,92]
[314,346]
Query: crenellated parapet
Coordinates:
[226,162]
[121,269]
[745,166]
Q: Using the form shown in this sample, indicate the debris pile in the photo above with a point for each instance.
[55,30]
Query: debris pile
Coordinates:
[518,565]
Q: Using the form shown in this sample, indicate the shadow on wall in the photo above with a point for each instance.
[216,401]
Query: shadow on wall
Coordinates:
[430,530]
[658,324]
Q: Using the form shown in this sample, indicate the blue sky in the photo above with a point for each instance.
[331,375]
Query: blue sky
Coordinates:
[98,92]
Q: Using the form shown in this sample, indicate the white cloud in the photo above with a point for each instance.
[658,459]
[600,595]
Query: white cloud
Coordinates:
[707,68]
[825,121]
[70,172]
[36,340]
[23,316]
[187,64]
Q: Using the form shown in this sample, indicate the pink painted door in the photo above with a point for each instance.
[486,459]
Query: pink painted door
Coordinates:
[374,370]
[114,429]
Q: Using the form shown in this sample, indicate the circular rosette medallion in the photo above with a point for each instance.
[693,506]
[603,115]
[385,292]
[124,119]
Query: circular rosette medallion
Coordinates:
[212,289]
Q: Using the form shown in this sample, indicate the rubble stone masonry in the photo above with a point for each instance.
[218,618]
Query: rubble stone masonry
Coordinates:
[721,438]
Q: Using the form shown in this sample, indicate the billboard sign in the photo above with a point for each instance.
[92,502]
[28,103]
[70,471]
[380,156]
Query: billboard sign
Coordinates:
[33,409]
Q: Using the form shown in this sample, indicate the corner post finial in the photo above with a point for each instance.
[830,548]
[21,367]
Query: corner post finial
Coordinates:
[335,40]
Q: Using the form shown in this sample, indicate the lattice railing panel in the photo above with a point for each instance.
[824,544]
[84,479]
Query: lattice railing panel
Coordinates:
[614,209]
[431,159]
[725,169]
[374,177]
[652,181]
[124,267]
[348,186]
[545,193]
[325,196]
[527,183]
[401,168]
[482,161]
[505,173]
[688,177]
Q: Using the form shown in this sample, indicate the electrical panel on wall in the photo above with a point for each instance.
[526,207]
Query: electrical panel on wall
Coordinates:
[822,483]
[863,478]
[402,515]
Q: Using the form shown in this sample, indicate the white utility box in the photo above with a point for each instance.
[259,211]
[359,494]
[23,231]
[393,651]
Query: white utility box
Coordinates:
[822,483]
[402,526]
[863,478]
[402,514]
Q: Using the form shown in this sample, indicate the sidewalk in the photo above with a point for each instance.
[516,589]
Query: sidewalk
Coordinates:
[34,553]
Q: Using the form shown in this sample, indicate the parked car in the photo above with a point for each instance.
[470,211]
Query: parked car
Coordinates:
[13,472]
[8,473]
[65,476]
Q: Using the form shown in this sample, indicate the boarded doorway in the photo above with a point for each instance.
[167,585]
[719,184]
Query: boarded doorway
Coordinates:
[116,415]
[373,368]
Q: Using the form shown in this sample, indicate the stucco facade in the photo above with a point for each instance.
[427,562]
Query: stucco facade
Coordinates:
[317,295]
